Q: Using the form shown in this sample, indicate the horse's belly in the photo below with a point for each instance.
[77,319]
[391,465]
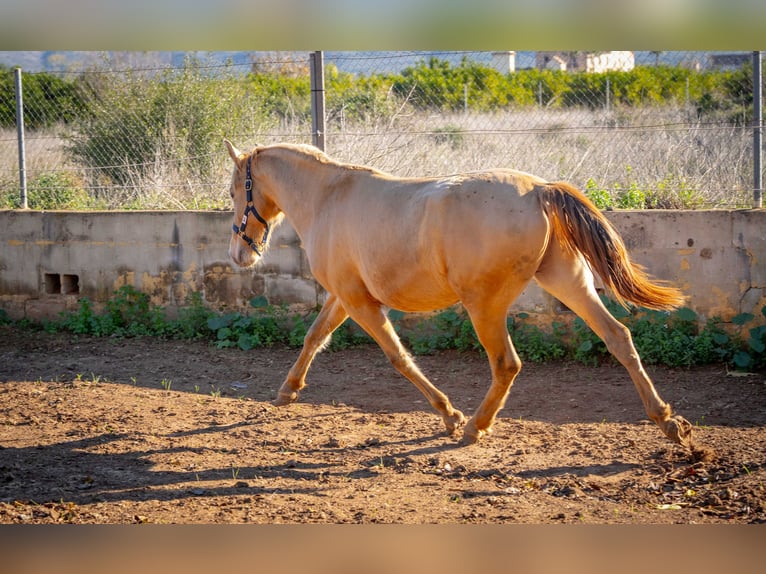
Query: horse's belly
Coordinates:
[413,296]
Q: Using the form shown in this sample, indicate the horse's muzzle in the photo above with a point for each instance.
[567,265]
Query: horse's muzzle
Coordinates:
[241,253]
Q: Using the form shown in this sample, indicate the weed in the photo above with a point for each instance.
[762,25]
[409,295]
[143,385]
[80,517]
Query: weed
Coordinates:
[701,423]
[675,339]
[166,384]
[450,135]
[752,355]
[534,344]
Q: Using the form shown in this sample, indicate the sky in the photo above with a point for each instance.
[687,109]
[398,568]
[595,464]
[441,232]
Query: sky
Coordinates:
[380,24]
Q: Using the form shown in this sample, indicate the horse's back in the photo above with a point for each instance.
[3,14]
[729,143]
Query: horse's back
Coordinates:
[419,244]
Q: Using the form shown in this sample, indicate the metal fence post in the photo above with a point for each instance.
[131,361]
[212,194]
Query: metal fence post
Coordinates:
[757,131]
[20,132]
[317,100]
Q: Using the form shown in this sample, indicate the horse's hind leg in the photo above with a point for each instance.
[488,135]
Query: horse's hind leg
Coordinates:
[330,318]
[569,280]
[490,325]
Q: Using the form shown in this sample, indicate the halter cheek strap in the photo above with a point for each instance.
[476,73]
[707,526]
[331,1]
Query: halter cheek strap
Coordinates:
[250,208]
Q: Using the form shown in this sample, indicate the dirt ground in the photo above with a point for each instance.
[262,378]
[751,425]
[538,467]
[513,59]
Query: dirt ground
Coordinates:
[148,431]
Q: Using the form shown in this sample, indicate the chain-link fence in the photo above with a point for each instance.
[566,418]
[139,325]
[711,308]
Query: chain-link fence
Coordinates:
[634,130]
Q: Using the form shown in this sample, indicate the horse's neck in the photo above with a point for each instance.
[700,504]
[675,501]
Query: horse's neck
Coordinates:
[300,186]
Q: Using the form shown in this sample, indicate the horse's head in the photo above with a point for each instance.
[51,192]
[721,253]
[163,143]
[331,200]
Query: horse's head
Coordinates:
[254,213]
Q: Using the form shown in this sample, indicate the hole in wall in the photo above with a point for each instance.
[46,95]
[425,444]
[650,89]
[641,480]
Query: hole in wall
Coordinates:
[52,283]
[70,284]
[62,284]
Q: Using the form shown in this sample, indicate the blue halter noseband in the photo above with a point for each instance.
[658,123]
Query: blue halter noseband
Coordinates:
[250,208]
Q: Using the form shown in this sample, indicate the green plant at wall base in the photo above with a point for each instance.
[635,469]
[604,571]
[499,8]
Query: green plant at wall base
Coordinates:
[675,339]
[192,319]
[753,352]
[84,321]
[448,329]
[268,326]
[534,344]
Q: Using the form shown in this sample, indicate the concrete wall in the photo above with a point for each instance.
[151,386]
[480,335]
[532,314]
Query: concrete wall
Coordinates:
[51,259]
[167,255]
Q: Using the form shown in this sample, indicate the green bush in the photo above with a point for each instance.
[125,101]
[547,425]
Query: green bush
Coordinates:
[145,113]
[357,98]
[138,119]
[283,97]
[49,99]
[674,339]
[752,354]
[50,191]
[669,193]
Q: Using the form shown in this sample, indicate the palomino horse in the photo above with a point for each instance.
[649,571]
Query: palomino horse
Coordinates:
[375,241]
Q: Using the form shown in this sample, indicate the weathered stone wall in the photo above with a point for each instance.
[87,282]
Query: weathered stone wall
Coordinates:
[51,259]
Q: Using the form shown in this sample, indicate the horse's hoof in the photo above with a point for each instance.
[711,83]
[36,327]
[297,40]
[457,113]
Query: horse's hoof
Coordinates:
[679,430]
[454,422]
[472,435]
[284,399]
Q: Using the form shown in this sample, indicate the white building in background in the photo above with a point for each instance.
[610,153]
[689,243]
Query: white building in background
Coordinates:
[504,62]
[591,62]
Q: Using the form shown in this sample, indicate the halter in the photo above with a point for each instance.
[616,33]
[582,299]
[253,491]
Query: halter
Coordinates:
[250,208]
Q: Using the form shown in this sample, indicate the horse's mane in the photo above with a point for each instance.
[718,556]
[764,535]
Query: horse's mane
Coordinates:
[307,150]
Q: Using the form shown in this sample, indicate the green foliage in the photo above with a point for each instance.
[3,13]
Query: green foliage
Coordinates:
[193,102]
[127,314]
[362,98]
[136,120]
[726,96]
[437,85]
[192,322]
[534,344]
[84,321]
[752,354]
[450,329]
[674,339]
[600,197]
[48,100]
[50,191]
[282,97]
[348,335]
[263,329]
[669,193]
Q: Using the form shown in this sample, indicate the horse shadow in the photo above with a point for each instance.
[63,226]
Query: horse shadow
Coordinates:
[74,471]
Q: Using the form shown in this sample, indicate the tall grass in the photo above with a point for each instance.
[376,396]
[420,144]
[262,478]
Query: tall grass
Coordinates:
[661,157]
[674,160]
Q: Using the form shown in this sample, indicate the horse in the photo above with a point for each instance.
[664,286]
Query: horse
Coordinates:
[377,242]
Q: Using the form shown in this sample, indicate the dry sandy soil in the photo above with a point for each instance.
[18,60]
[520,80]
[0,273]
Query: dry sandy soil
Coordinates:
[148,431]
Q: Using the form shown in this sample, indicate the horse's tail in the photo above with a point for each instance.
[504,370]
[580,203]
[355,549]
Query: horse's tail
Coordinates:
[581,227]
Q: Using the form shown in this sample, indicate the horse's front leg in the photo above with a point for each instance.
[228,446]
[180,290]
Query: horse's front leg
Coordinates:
[371,317]
[330,318]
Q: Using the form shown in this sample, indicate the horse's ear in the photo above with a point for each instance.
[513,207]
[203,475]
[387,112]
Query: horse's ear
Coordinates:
[235,154]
